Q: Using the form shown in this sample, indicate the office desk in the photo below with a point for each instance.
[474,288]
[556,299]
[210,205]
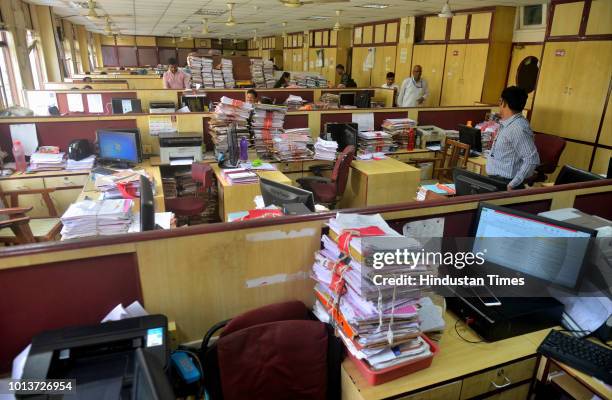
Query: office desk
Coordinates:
[380,182]
[239,197]
[477,164]
[461,370]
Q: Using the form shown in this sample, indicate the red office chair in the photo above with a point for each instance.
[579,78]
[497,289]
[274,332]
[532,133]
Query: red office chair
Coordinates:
[192,206]
[549,148]
[328,191]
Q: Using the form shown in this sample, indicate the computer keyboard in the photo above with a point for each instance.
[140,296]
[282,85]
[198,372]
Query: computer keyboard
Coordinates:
[581,354]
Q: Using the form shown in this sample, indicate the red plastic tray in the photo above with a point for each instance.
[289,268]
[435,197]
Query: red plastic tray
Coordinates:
[377,377]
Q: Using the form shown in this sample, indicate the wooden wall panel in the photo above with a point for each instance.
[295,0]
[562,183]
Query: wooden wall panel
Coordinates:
[600,18]
[605,137]
[601,161]
[480,25]
[146,41]
[127,56]
[458,27]
[566,19]
[126,41]
[435,28]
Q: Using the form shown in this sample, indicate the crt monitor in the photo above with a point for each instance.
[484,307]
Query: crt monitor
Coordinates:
[119,146]
[557,261]
[347,98]
[126,106]
[279,194]
[147,205]
[468,182]
[471,136]
[569,174]
[345,134]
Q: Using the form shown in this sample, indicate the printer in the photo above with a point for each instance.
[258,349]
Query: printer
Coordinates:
[183,148]
[431,135]
[161,107]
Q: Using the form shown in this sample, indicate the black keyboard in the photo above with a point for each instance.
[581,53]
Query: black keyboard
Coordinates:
[581,354]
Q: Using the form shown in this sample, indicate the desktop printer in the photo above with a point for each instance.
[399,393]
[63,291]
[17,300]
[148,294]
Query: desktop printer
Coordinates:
[160,107]
[184,147]
[431,135]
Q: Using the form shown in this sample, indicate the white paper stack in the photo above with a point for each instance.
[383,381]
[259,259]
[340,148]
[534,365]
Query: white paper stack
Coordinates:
[85,163]
[268,69]
[127,180]
[96,217]
[257,72]
[293,145]
[375,141]
[293,102]
[237,176]
[47,161]
[403,132]
[325,150]
[228,73]
[266,123]
[217,75]
[227,112]
[195,66]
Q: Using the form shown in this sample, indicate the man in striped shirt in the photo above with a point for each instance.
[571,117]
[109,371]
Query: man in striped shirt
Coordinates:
[513,156]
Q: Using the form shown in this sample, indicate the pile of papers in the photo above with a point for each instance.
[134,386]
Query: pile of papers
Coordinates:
[310,81]
[201,70]
[85,163]
[330,100]
[325,150]
[447,189]
[217,75]
[268,70]
[403,132]
[378,324]
[375,141]
[266,123]
[294,102]
[488,131]
[228,112]
[293,145]
[240,176]
[228,73]
[47,161]
[121,184]
[257,73]
[96,217]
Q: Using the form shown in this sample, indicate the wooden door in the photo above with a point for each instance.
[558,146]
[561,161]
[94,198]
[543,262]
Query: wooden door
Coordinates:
[383,63]
[472,77]
[431,58]
[519,54]
[287,56]
[453,74]
[361,75]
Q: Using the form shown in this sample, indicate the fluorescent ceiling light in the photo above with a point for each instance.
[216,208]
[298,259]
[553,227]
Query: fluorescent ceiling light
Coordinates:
[373,5]
[317,18]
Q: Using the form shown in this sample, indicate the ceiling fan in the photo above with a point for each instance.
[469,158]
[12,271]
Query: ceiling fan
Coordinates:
[300,3]
[231,21]
[446,11]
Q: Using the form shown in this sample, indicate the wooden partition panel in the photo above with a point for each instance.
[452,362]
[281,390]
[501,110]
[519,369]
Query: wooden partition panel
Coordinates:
[62,101]
[449,119]
[68,293]
[296,121]
[598,204]
[339,117]
[281,95]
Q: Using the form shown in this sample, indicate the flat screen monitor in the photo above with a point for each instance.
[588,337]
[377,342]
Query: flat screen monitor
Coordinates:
[119,146]
[467,182]
[147,205]
[471,136]
[279,194]
[344,133]
[347,98]
[149,381]
[558,261]
[126,106]
[569,174]
[231,158]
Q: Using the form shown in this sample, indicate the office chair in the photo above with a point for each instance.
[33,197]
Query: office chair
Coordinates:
[550,148]
[328,191]
[274,352]
[454,154]
[192,206]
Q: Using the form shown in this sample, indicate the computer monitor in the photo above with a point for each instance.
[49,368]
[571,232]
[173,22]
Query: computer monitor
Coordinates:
[279,194]
[468,182]
[569,174]
[147,205]
[119,146]
[126,106]
[149,381]
[347,98]
[231,157]
[344,133]
[471,136]
[557,261]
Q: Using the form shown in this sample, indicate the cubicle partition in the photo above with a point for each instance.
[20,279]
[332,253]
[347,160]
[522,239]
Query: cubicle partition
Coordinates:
[203,274]
[64,108]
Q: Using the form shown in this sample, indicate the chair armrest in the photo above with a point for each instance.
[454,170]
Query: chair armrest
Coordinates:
[210,334]
[8,222]
[319,168]
[14,210]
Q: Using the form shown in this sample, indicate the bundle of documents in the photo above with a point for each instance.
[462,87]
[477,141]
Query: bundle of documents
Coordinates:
[403,132]
[330,100]
[268,70]
[378,324]
[293,145]
[240,176]
[325,150]
[121,184]
[46,161]
[228,112]
[447,189]
[201,70]
[257,72]
[488,130]
[85,163]
[217,75]
[266,123]
[375,141]
[228,73]
[96,217]
[310,81]
[294,102]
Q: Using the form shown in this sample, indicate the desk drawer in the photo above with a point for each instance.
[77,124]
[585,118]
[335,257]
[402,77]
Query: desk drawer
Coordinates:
[22,184]
[65,181]
[517,393]
[450,391]
[289,166]
[502,376]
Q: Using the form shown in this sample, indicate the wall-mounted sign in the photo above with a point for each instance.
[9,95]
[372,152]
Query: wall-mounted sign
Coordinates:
[455,52]
[560,52]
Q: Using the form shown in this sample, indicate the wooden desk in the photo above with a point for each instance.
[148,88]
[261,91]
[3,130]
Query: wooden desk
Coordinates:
[380,182]
[477,164]
[461,370]
[234,198]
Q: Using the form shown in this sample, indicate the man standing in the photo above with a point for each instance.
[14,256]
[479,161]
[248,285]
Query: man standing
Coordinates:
[414,90]
[513,155]
[174,78]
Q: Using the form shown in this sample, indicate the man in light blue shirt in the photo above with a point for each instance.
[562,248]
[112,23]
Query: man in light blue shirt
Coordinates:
[513,156]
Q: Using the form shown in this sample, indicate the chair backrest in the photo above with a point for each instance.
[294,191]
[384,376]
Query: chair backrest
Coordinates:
[454,155]
[342,168]
[549,148]
[202,175]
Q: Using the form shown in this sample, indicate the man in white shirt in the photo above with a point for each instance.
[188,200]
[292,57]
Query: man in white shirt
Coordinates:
[414,90]
[390,84]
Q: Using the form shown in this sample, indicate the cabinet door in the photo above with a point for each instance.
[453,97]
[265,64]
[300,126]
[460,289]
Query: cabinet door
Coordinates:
[39,208]
[453,75]
[566,19]
[435,28]
[600,18]
[431,58]
[550,102]
[359,74]
[472,77]
[383,63]
[62,198]
[287,54]
[480,26]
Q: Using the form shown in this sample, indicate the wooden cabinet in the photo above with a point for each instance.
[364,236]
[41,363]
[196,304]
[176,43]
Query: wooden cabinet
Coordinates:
[431,58]
[62,198]
[517,393]
[480,26]
[458,27]
[435,28]
[600,18]
[39,209]
[449,391]
[500,377]
[566,19]
[464,73]
[384,61]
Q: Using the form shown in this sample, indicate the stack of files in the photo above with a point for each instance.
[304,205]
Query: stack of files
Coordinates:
[325,150]
[266,123]
[268,70]
[294,102]
[217,75]
[85,163]
[293,145]
[207,73]
[96,217]
[238,176]
[201,70]
[257,73]
[47,161]
[403,132]
[488,130]
[195,66]
[125,181]
[330,100]
[228,73]
[378,324]
[375,141]
[447,189]
[228,112]
[170,187]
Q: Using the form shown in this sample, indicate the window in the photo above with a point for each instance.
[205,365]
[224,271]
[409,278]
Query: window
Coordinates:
[35,65]
[527,73]
[532,17]
[8,89]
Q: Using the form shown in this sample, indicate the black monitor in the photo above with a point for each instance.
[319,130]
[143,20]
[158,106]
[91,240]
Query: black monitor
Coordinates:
[569,174]
[344,133]
[280,195]
[231,157]
[147,205]
[467,182]
[119,146]
[347,98]
[126,106]
[471,136]
[149,381]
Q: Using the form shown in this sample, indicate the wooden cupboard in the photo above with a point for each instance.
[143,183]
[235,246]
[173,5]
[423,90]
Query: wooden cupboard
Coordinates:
[431,58]
[435,28]
[600,18]
[464,73]
[374,75]
[566,19]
